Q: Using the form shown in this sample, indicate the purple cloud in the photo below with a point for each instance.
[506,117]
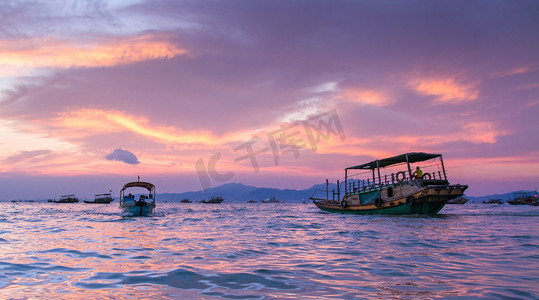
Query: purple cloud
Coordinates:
[124,156]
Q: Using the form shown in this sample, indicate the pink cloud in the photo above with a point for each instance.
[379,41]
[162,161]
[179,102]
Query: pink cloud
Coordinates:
[446,90]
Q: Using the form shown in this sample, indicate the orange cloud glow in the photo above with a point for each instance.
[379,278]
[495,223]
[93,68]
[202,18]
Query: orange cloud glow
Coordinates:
[446,90]
[52,53]
[368,97]
[95,120]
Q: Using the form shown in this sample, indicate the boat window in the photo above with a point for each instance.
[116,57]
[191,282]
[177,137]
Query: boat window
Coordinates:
[390,191]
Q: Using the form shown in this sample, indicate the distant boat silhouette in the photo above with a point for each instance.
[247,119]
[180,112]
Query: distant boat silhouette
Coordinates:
[215,199]
[272,200]
[101,199]
[66,199]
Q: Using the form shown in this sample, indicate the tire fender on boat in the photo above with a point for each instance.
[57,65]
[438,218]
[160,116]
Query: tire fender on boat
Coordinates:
[344,204]
[426,176]
[378,202]
[410,200]
[399,178]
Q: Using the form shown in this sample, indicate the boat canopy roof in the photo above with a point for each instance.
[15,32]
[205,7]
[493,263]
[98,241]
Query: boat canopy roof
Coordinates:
[142,184]
[413,157]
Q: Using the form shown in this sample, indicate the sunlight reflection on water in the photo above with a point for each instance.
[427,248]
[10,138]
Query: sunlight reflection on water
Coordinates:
[266,250]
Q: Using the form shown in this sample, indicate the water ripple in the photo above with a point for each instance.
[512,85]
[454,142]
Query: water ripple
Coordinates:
[257,251]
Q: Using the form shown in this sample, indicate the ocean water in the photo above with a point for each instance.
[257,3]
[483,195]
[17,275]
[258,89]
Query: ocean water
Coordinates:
[266,251]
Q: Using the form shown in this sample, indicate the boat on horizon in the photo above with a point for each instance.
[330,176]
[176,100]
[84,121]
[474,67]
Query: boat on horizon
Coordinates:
[101,199]
[142,207]
[493,201]
[66,199]
[185,200]
[214,199]
[523,198]
[272,200]
[459,200]
[388,186]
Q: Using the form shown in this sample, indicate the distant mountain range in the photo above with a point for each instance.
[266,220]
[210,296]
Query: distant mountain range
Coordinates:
[237,192]
[504,197]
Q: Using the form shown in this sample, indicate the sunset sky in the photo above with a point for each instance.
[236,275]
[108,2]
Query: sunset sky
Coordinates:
[96,93]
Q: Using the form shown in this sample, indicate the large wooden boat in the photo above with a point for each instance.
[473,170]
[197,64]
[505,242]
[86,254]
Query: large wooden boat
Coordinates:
[523,198]
[101,199]
[388,186]
[142,207]
[66,199]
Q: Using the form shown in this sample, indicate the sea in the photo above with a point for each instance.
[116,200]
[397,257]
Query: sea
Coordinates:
[266,251]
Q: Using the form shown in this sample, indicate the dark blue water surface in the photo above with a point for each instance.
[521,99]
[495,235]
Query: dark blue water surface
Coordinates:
[265,251]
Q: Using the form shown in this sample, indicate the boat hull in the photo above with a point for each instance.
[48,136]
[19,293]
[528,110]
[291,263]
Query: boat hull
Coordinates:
[137,210]
[428,208]
[98,202]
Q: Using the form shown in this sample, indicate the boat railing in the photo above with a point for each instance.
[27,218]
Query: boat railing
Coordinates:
[331,196]
[355,186]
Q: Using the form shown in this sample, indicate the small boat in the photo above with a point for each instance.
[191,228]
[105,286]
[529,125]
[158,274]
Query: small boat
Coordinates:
[272,200]
[215,199]
[251,201]
[101,199]
[142,207]
[66,199]
[186,201]
[493,201]
[388,186]
[460,200]
[523,198]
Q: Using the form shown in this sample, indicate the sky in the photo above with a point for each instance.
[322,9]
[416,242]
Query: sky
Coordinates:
[284,94]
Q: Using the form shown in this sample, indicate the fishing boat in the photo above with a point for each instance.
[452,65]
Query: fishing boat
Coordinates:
[272,200]
[144,206]
[66,199]
[185,200]
[101,199]
[523,198]
[493,201]
[459,200]
[388,186]
[215,199]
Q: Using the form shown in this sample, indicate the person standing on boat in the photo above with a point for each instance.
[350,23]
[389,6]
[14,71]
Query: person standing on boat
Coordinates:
[418,174]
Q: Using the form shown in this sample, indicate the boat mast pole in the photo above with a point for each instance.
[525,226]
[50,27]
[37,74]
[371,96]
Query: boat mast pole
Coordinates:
[373,178]
[379,177]
[443,167]
[346,181]
[409,169]
[327,189]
